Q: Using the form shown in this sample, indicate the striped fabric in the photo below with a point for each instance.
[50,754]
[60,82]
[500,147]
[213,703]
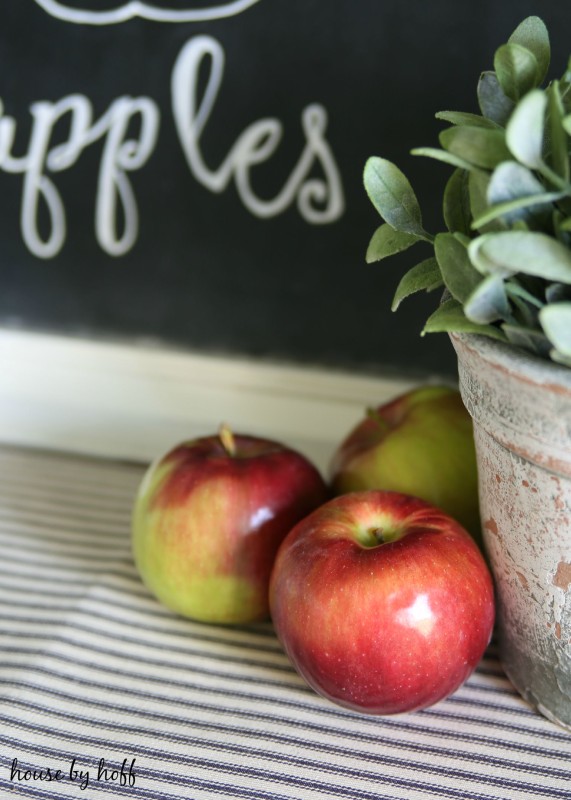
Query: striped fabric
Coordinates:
[92,668]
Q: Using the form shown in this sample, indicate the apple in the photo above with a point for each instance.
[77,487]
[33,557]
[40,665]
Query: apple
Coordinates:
[383,603]
[208,519]
[420,443]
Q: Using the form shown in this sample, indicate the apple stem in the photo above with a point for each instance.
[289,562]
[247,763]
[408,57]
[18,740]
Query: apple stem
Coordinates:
[227,438]
[378,534]
[381,534]
[373,414]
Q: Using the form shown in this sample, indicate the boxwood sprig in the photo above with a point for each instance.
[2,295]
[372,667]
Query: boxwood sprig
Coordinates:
[505,256]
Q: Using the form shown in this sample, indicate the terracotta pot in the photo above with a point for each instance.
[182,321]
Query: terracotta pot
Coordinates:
[521,408]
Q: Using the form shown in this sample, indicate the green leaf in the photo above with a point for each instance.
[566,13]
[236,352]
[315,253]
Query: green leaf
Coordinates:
[449,317]
[488,302]
[524,133]
[393,196]
[516,209]
[478,183]
[387,241]
[511,180]
[524,312]
[533,35]
[556,292]
[478,146]
[442,155]
[516,290]
[423,277]
[520,225]
[558,151]
[528,338]
[510,252]
[567,123]
[517,70]
[515,193]
[456,203]
[460,277]
[494,104]
[560,358]
[556,322]
[463,118]
[462,238]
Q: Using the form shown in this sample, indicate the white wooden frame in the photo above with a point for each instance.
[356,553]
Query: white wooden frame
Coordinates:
[133,401]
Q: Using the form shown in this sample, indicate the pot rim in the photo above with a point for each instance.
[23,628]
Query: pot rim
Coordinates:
[515,360]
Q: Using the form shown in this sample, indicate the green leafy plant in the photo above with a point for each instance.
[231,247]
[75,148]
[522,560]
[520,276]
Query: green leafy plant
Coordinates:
[505,258]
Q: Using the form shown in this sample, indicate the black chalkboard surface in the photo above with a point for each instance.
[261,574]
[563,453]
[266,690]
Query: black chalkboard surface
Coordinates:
[190,172]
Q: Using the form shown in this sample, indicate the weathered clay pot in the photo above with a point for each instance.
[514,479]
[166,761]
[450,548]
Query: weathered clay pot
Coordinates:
[521,408]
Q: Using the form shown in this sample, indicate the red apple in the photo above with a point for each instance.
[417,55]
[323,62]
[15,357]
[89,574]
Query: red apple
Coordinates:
[422,444]
[383,603]
[208,520]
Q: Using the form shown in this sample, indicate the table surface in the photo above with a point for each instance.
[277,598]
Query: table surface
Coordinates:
[92,668]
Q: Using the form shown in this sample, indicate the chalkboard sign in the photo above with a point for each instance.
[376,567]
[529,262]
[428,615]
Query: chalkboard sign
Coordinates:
[190,172]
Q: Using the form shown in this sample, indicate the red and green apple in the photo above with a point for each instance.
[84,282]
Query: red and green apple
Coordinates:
[209,517]
[420,443]
[383,603]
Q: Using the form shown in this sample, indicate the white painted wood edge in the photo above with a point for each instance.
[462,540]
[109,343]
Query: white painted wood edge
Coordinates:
[134,401]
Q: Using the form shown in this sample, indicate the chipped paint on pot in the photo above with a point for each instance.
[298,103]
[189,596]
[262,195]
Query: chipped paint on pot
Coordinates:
[521,408]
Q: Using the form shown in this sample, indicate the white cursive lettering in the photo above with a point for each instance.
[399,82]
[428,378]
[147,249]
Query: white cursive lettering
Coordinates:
[135,8]
[254,146]
[120,155]
[319,199]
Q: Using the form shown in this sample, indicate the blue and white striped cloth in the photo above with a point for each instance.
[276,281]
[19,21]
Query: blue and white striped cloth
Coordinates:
[126,699]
